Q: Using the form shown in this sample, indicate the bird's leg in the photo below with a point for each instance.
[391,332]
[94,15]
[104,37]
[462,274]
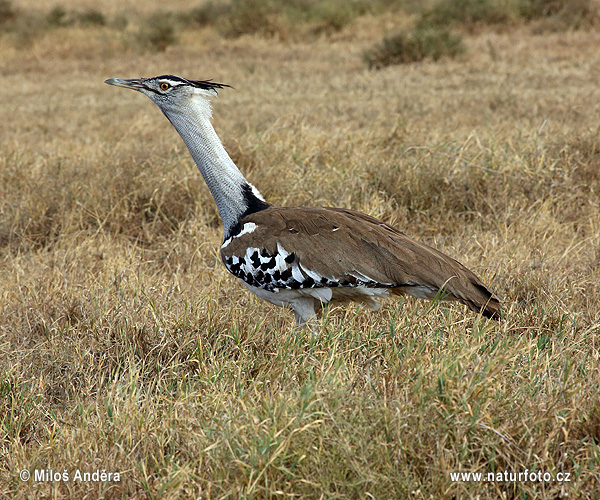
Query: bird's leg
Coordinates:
[313,325]
[304,311]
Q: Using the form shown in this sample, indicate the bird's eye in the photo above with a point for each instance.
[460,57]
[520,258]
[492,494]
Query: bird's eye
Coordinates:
[165,86]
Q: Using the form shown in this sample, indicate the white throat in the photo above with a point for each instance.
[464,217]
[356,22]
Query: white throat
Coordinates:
[226,183]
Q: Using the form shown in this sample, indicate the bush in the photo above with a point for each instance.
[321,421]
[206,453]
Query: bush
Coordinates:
[7,13]
[327,15]
[59,17]
[555,14]
[239,17]
[158,32]
[208,13]
[91,17]
[558,15]
[535,9]
[406,48]
[465,12]
[248,17]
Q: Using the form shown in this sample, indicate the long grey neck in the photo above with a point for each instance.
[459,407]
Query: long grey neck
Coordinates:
[234,195]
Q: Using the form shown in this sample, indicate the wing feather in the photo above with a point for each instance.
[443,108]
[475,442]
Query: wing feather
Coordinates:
[351,247]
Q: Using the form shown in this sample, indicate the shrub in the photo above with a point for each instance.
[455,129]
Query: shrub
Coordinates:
[239,17]
[465,12]
[247,17]
[405,48]
[555,14]
[91,17]
[535,9]
[59,17]
[558,15]
[7,12]
[327,15]
[208,13]
[158,32]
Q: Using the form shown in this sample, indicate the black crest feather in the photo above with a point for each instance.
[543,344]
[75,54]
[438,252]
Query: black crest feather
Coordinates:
[208,84]
[201,84]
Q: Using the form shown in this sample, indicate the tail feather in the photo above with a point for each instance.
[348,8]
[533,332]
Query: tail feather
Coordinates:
[483,301]
[475,296]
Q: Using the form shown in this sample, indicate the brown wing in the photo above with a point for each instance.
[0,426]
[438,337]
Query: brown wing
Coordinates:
[348,246]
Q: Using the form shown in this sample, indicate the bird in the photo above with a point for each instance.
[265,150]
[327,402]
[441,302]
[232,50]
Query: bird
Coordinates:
[304,258]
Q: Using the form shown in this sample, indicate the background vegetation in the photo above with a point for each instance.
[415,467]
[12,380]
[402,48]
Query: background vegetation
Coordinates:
[124,344]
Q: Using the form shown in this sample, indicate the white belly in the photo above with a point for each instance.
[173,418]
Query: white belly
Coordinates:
[287,297]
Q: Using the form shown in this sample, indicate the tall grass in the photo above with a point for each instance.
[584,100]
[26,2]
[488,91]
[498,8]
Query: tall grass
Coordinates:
[125,346]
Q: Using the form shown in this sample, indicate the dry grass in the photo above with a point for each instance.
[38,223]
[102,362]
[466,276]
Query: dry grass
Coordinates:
[126,347]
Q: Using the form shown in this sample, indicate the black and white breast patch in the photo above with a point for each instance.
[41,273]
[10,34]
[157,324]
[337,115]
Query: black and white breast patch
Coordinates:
[282,270]
[272,272]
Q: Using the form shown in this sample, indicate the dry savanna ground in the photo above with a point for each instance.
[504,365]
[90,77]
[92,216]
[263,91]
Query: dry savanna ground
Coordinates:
[126,347]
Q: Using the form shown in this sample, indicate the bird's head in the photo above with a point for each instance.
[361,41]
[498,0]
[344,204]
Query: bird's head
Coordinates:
[170,93]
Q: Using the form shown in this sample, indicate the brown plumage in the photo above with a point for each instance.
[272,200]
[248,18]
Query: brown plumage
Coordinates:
[351,248]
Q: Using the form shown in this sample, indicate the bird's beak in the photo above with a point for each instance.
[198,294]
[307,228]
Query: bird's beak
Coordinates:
[128,83]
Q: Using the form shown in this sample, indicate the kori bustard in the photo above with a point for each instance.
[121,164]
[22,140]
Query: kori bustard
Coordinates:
[304,257]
